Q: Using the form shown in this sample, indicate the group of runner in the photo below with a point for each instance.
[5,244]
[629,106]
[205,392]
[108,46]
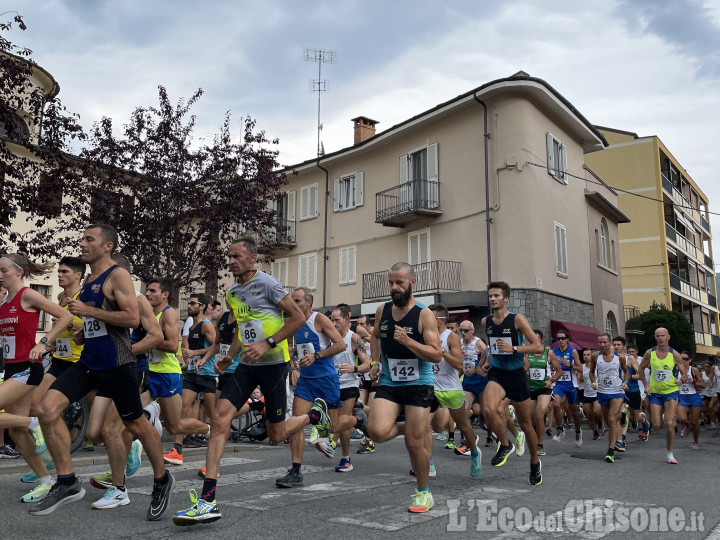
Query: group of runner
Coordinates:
[393,377]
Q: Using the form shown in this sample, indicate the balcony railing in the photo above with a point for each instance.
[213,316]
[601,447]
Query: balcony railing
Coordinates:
[433,276]
[400,204]
[675,282]
[670,232]
[708,261]
[715,340]
[667,184]
[282,234]
[704,223]
[712,300]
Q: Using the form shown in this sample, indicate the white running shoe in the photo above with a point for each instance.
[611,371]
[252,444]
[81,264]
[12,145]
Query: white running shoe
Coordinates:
[112,499]
[520,443]
[153,411]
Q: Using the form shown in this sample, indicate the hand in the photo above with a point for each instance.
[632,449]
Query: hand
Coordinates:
[36,352]
[252,352]
[374,372]
[624,386]
[504,346]
[306,360]
[222,364]
[401,335]
[200,363]
[580,378]
[347,368]
[548,383]
[565,362]
[594,385]
[76,307]
[469,371]
[186,353]
[79,336]
[484,369]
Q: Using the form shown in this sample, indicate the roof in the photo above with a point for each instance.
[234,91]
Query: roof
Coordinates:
[520,82]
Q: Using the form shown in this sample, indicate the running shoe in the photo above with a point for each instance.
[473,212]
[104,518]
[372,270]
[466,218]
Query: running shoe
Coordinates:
[535,478]
[548,432]
[672,461]
[88,446]
[102,481]
[344,466]
[596,435]
[642,436]
[442,436]
[40,445]
[502,454]
[488,442]
[173,457]
[134,458]
[58,496]
[160,497]
[450,445]
[559,435]
[422,501]
[476,464]
[8,452]
[313,435]
[369,448]
[113,498]
[609,459]
[202,471]
[520,443]
[623,419]
[541,450]
[152,413]
[356,435]
[695,446]
[291,479]
[362,421]
[29,478]
[324,446]
[463,450]
[619,446]
[578,439]
[685,430]
[201,511]
[432,471]
[323,424]
[37,494]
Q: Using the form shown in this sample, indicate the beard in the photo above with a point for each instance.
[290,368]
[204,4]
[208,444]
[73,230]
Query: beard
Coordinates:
[401,299]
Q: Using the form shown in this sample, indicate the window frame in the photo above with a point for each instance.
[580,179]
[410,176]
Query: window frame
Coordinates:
[307,283]
[309,213]
[557,165]
[276,269]
[561,257]
[355,185]
[349,254]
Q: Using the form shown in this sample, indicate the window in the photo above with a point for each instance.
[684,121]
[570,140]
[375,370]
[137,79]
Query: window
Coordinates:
[604,244]
[419,174]
[45,291]
[348,192]
[279,269]
[307,271]
[347,265]
[561,262]
[557,159]
[50,192]
[419,257]
[309,202]
[610,324]
[284,208]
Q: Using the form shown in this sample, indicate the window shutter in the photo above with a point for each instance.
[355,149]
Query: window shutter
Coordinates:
[302,271]
[336,195]
[312,271]
[359,181]
[403,169]
[351,264]
[563,164]
[291,205]
[432,163]
[343,266]
[314,201]
[550,154]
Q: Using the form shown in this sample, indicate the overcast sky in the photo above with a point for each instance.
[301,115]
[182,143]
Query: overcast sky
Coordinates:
[647,66]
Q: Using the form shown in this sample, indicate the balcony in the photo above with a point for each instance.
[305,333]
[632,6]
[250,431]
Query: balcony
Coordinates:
[632,320]
[715,340]
[708,261]
[667,184]
[281,236]
[705,224]
[432,277]
[670,232]
[404,203]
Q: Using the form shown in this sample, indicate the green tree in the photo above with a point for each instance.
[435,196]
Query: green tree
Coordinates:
[682,335]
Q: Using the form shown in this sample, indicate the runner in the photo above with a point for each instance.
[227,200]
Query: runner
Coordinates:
[564,394]
[605,368]
[349,363]
[690,402]
[258,302]
[473,383]
[588,396]
[369,385]
[19,317]
[709,393]
[506,376]
[405,339]
[108,308]
[633,403]
[664,386]
[539,367]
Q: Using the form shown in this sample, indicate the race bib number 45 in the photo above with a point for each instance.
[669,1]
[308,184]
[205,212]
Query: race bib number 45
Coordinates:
[403,369]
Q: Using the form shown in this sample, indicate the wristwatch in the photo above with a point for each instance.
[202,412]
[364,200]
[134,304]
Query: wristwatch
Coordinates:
[271,342]
[515,348]
[45,341]
[317,356]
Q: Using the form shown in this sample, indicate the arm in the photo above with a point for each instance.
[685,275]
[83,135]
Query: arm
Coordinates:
[211,351]
[681,367]
[323,324]
[32,299]
[375,356]
[593,363]
[577,366]
[644,364]
[533,345]
[699,383]
[208,330]
[431,350]
[632,362]
[358,350]
[171,329]
[555,365]
[454,355]
[626,373]
[118,287]
[153,336]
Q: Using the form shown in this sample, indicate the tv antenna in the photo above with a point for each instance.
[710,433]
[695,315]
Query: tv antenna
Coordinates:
[319,85]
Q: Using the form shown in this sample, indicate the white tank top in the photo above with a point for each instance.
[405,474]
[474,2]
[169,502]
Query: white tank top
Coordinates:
[708,391]
[608,376]
[446,377]
[586,384]
[347,380]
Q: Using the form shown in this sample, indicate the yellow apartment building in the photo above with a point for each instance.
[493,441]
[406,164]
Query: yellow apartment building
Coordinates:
[666,251]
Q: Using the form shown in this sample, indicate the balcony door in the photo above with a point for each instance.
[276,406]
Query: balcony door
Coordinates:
[419,258]
[419,175]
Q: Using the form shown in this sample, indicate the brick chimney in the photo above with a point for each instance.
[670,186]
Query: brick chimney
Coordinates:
[364,128]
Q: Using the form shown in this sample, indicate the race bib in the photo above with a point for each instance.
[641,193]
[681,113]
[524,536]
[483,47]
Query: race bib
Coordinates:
[92,328]
[566,377]
[494,345]
[224,349]
[62,348]
[192,363]
[662,375]
[8,347]
[251,331]
[537,374]
[155,356]
[303,349]
[436,369]
[403,369]
[468,364]
[606,382]
[687,388]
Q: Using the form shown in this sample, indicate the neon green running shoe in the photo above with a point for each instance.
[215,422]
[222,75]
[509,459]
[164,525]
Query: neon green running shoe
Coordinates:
[40,445]
[201,511]
[37,494]
[102,481]
[422,501]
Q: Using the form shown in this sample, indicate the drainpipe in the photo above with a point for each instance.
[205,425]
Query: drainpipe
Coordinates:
[325,258]
[488,219]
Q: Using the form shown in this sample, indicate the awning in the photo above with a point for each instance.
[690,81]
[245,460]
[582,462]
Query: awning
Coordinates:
[584,336]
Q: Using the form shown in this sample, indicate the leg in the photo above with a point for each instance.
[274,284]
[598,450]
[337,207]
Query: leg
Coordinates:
[492,400]
[345,410]
[417,420]
[98,413]
[670,411]
[382,424]
[695,423]
[117,442]
[294,427]
[523,412]
[543,401]
[55,431]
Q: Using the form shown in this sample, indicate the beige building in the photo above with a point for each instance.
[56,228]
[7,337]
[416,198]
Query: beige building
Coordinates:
[416,192]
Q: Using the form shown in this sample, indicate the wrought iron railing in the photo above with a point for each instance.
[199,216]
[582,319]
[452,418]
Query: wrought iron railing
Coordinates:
[433,276]
[282,233]
[412,196]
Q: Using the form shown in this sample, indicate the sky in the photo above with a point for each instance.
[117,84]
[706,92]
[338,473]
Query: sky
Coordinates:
[647,66]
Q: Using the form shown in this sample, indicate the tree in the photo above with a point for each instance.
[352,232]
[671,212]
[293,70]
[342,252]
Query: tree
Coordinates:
[682,335]
[36,168]
[176,204]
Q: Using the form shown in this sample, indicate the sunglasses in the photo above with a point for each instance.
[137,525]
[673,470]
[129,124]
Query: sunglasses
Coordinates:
[562,338]
[464,329]
[193,303]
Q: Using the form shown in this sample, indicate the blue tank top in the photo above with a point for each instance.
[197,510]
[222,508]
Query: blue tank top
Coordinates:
[226,331]
[633,384]
[506,331]
[197,341]
[308,341]
[106,346]
[400,366]
[137,335]
[566,378]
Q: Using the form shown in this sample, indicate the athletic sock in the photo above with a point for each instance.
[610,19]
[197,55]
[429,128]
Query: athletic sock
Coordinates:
[208,490]
[426,488]
[611,452]
[178,448]
[46,479]
[474,453]
[431,460]
[66,479]
[296,467]
[33,423]
[121,488]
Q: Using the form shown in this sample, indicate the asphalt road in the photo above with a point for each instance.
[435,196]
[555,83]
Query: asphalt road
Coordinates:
[581,496]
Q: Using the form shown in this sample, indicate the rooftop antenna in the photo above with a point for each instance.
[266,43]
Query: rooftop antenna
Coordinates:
[320,85]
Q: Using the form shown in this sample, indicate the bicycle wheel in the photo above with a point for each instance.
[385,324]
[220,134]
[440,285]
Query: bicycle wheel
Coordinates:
[76,417]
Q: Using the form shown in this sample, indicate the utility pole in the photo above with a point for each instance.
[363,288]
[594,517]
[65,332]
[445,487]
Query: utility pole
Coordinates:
[319,85]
